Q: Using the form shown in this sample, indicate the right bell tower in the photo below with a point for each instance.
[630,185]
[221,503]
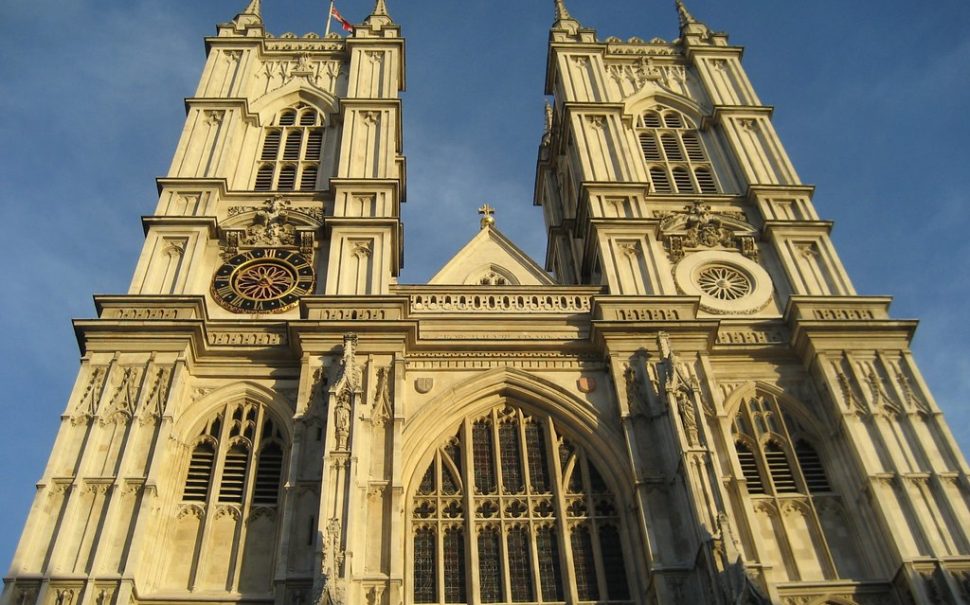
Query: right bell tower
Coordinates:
[821,463]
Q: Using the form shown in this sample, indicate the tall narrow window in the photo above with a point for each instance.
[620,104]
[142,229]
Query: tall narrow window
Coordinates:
[200,473]
[234,475]
[489,564]
[749,468]
[289,159]
[779,469]
[513,527]
[538,469]
[585,565]
[484,467]
[616,582]
[454,564]
[550,572]
[520,567]
[425,570]
[508,435]
[674,153]
[811,466]
[269,471]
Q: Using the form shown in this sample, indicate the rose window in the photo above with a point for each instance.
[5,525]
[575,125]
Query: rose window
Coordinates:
[265,281]
[723,283]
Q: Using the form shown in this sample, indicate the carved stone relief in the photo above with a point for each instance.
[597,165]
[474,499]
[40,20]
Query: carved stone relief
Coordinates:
[87,406]
[383,404]
[275,223]
[317,71]
[697,226]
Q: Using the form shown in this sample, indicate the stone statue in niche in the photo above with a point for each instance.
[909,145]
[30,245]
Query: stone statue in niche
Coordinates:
[341,421]
[344,391]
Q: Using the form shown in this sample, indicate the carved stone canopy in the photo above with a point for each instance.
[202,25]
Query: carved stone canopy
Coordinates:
[276,223]
[697,226]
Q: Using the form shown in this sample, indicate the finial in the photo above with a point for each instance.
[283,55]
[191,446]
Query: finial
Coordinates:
[251,15]
[487,212]
[688,24]
[685,17]
[565,21]
[379,17]
[561,11]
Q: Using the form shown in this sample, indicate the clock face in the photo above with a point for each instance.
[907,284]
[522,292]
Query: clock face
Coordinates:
[263,281]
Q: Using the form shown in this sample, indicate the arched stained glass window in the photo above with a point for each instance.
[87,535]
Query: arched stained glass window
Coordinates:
[513,500]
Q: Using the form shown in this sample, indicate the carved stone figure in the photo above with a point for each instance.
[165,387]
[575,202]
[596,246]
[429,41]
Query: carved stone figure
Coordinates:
[341,421]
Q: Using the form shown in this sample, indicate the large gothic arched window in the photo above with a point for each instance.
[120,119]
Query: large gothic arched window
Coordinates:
[289,159]
[226,520]
[674,153]
[510,510]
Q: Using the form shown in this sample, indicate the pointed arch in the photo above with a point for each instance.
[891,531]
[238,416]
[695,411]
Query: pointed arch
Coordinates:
[652,95]
[775,436]
[226,485]
[491,274]
[667,127]
[189,422]
[810,423]
[537,482]
[293,92]
[434,423]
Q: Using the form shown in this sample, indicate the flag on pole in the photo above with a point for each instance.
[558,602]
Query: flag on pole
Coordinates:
[347,25]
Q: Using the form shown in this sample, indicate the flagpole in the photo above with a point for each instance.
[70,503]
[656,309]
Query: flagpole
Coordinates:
[329,19]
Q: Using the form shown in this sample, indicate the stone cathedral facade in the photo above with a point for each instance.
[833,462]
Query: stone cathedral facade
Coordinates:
[689,403]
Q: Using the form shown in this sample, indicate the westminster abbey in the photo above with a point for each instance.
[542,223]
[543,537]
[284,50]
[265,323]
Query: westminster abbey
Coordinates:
[685,402]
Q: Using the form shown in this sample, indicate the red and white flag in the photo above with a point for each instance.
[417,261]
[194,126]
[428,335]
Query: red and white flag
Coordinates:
[347,25]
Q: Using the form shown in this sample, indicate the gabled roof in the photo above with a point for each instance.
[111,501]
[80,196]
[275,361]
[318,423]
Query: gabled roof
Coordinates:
[491,258]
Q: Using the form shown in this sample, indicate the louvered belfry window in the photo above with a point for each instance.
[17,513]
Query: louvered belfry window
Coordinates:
[289,158]
[773,450]
[237,459]
[492,495]
[674,153]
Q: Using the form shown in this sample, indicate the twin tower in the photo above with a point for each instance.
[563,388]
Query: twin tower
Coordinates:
[688,404]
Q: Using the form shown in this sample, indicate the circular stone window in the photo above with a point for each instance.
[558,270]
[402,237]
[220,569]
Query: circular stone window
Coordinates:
[726,283]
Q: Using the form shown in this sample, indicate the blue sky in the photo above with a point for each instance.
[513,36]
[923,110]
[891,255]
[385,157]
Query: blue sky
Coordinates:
[870,102]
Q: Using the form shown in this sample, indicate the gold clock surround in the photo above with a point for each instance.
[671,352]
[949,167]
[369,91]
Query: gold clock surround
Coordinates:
[263,280]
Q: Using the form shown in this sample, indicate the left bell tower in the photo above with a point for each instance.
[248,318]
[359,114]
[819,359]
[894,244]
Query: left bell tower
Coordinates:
[188,466]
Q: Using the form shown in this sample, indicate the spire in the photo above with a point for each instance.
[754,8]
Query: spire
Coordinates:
[685,17]
[561,11]
[379,16]
[251,15]
[688,24]
[563,19]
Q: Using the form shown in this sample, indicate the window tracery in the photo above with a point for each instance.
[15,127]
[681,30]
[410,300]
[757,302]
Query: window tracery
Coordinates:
[774,451]
[249,451]
[674,152]
[513,495]
[289,159]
